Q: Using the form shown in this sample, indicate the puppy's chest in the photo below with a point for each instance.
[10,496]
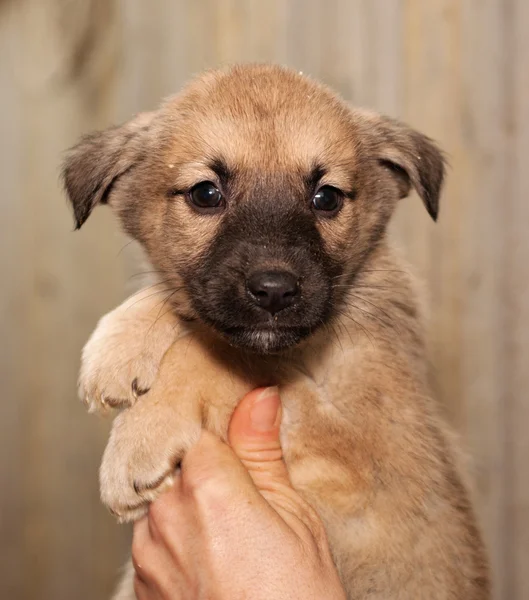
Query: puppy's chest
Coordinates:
[317,396]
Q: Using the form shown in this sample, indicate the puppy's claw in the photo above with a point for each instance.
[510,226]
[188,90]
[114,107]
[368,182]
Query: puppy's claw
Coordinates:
[150,491]
[116,403]
[136,468]
[95,403]
[128,514]
[137,390]
[121,359]
[131,507]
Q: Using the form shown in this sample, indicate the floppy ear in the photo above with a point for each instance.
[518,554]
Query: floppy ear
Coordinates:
[95,163]
[414,159]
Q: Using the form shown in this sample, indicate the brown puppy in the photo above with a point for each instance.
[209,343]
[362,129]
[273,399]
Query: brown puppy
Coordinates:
[262,201]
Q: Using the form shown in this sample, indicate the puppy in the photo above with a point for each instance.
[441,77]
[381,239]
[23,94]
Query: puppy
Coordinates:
[262,201]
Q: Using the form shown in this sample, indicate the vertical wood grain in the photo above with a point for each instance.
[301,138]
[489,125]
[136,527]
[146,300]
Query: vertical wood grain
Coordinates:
[515,288]
[65,282]
[12,293]
[483,181]
[431,103]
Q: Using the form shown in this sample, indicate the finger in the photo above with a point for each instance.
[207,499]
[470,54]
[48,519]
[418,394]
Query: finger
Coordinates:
[173,524]
[156,570]
[142,591]
[142,546]
[222,488]
[254,436]
[141,538]
[144,550]
[167,514]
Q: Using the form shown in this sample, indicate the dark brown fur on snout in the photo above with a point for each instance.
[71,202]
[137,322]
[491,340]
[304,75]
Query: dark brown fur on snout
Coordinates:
[262,201]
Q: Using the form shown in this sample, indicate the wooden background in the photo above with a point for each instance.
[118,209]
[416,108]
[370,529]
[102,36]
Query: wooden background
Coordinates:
[456,69]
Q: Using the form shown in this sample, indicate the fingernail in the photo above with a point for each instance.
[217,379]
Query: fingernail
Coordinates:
[265,413]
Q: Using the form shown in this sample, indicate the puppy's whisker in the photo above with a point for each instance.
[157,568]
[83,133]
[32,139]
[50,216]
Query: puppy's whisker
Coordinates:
[176,326]
[168,298]
[160,316]
[391,322]
[344,328]
[146,297]
[371,315]
[143,273]
[125,246]
[333,330]
[364,329]
[354,286]
[361,273]
[384,271]
[149,287]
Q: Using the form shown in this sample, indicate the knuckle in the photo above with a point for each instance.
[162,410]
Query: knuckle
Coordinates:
[260,454]
[193,479]
[205,484]
[203,471]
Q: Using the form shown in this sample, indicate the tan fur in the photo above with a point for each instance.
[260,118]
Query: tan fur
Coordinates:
[363,439]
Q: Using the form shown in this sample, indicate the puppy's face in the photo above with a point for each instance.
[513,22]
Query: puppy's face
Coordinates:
[257,194]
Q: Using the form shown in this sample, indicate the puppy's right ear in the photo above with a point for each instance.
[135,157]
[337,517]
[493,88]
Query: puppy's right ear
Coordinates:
[98,160]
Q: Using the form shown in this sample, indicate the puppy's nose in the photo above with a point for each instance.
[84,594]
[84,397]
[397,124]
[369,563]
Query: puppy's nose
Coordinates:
[273,290]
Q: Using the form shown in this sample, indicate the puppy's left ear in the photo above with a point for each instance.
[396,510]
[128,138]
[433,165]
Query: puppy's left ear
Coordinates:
[414,158]
[98,160]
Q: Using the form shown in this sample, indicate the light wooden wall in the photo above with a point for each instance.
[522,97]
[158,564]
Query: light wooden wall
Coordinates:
[456,69]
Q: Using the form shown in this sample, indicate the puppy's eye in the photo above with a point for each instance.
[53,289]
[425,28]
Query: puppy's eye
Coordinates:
[206,195]
[327,200]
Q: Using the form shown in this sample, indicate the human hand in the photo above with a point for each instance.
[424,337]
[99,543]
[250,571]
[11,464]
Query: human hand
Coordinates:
[233,527]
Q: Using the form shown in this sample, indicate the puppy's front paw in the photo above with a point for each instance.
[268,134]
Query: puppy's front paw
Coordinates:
[143,452]
[121,359]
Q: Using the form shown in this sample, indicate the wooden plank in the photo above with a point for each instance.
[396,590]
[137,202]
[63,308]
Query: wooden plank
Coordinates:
[303,45]
[13,275]
[515,288]
[56,468]
[454,93]
[430,104]
[264,31]
[160,47]
[362,52]
[483,181]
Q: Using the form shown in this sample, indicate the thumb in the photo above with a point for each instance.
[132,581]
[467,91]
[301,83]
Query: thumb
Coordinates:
[254,436]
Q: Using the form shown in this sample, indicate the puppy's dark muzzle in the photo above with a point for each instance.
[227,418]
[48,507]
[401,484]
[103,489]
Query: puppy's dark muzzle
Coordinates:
[273,291]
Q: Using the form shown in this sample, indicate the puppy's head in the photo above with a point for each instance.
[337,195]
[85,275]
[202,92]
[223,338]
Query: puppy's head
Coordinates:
[257,193]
